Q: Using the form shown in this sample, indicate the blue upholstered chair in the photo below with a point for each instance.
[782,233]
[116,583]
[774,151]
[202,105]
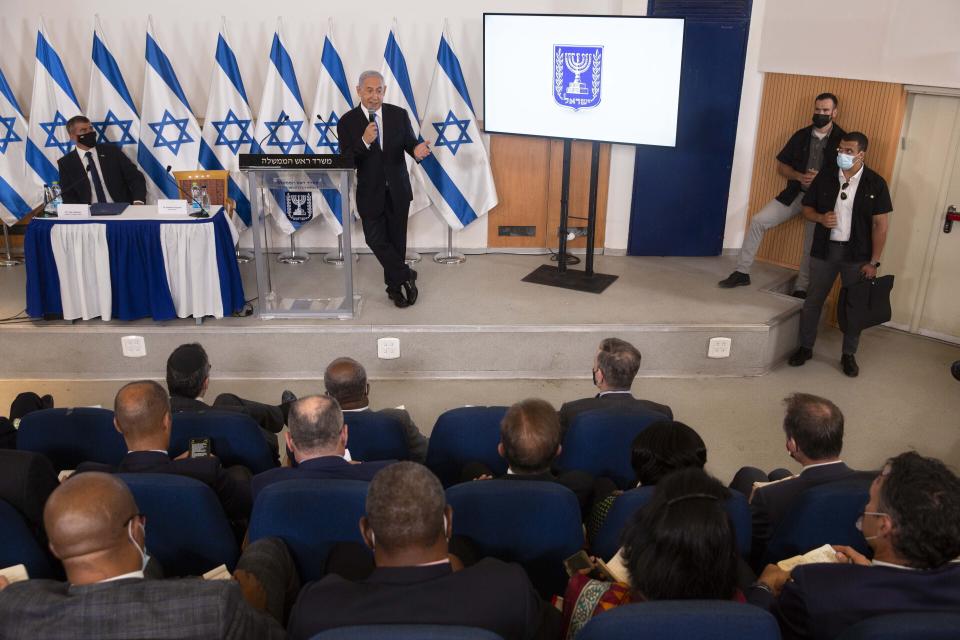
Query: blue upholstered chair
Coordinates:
[71,436]
[406,632]
[683,620]
[906,626]
[608,538]
[374,436]
[463,435]
[536,524]
[187,531]
[310,516]
[825,514]
[19,546]
[599,442]
[236,438]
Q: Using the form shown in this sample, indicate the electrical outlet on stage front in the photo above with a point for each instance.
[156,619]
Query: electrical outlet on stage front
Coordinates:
[133,346]
[388,348]
[719,348]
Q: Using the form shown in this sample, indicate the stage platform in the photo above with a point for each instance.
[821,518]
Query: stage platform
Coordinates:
[473,320]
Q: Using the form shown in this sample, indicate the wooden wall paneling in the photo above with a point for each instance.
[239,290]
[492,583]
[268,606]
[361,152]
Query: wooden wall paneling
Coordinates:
[520,166]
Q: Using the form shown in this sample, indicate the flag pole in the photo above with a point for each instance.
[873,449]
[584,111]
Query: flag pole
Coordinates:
[336,259]
[8,260]
[450,257]
[293,256]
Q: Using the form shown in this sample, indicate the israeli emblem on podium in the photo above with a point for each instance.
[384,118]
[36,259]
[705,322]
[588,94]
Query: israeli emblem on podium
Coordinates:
[577,72]
[299,209]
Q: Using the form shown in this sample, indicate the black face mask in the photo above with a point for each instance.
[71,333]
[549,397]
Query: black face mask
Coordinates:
[87,139]
[820,120]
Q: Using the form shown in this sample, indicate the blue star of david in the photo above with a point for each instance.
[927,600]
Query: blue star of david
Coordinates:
[295,140]
[10,135]
[168,120]
[111,120]
[461,127]
[234,144]
[50,128]
[324,128]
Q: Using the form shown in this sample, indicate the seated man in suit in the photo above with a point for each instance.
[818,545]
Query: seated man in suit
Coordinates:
[346,381]
[110,175]
[142,415]
[407,525]
[814,431]
[27,480]
[188,376]
[912,524]
[614,368]
[530,442]
[317,437]
[98,534]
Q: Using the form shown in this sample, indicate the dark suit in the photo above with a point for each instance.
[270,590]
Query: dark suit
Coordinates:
[608,400]
[269,417]
[120,177]
[132,608]
[821,600]
[232,486]
[491,595]
[770,503]
[27,480]
[383,185]
[416,441]
[323,468]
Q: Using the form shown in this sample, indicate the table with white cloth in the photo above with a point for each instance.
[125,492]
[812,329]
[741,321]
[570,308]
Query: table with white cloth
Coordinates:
[134,265]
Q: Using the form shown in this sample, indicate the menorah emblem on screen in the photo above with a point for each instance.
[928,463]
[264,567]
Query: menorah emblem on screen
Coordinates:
[576,75]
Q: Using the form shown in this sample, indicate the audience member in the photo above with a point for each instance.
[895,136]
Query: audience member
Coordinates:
[679,546]
[912,524]
[530,442]
[614,368]
[814,431]
[407,525]
[27,480]
[23,404]
[317,437]
[98,534]
[188,376]
[657,451]
[346,381]
[142,415]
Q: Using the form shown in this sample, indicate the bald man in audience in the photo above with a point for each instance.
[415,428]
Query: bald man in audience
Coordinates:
[317,437]
[346,380]
[142,415]
[97,532]
[408,525]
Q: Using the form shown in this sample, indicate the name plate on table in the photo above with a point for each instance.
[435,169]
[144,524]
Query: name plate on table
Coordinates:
[73,211]
[295,161]
[172,207]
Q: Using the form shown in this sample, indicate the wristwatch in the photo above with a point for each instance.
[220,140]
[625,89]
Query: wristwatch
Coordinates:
[876,265]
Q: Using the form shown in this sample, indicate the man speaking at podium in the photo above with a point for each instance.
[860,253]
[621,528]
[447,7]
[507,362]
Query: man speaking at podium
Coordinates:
[377,135]
[110,175]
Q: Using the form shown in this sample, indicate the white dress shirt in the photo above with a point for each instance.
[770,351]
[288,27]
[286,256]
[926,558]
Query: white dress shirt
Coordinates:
[379,114]
[843,207]
[96,163]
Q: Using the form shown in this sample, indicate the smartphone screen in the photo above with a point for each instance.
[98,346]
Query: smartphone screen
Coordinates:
[199,447]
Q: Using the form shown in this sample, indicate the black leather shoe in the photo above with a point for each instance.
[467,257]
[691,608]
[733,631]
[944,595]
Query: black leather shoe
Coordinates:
[287,397]
[849,364]
[398,298]
[735,279]
[800,356]
[410,288]
[799,293]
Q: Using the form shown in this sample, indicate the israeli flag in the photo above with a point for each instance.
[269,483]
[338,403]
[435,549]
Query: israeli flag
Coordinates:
[169,135]
[110,106]
[399,91]
[228,126]
[283,125]
[333,99]
[460,182]
[17,188]
[53,103]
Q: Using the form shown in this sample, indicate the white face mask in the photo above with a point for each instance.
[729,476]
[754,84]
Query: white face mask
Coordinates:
[143,554]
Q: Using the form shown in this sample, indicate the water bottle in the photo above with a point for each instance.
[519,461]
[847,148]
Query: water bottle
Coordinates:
[53,196]
[195,197]
[204,199]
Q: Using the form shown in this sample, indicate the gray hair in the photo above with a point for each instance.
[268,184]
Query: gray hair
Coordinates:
[405,504]
[315,423]
[369,73]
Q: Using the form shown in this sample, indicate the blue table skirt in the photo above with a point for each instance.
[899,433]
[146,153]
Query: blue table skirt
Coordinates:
[137,271]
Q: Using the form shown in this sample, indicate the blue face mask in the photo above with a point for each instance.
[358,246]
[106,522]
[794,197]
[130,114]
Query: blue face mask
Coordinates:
[845,161]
